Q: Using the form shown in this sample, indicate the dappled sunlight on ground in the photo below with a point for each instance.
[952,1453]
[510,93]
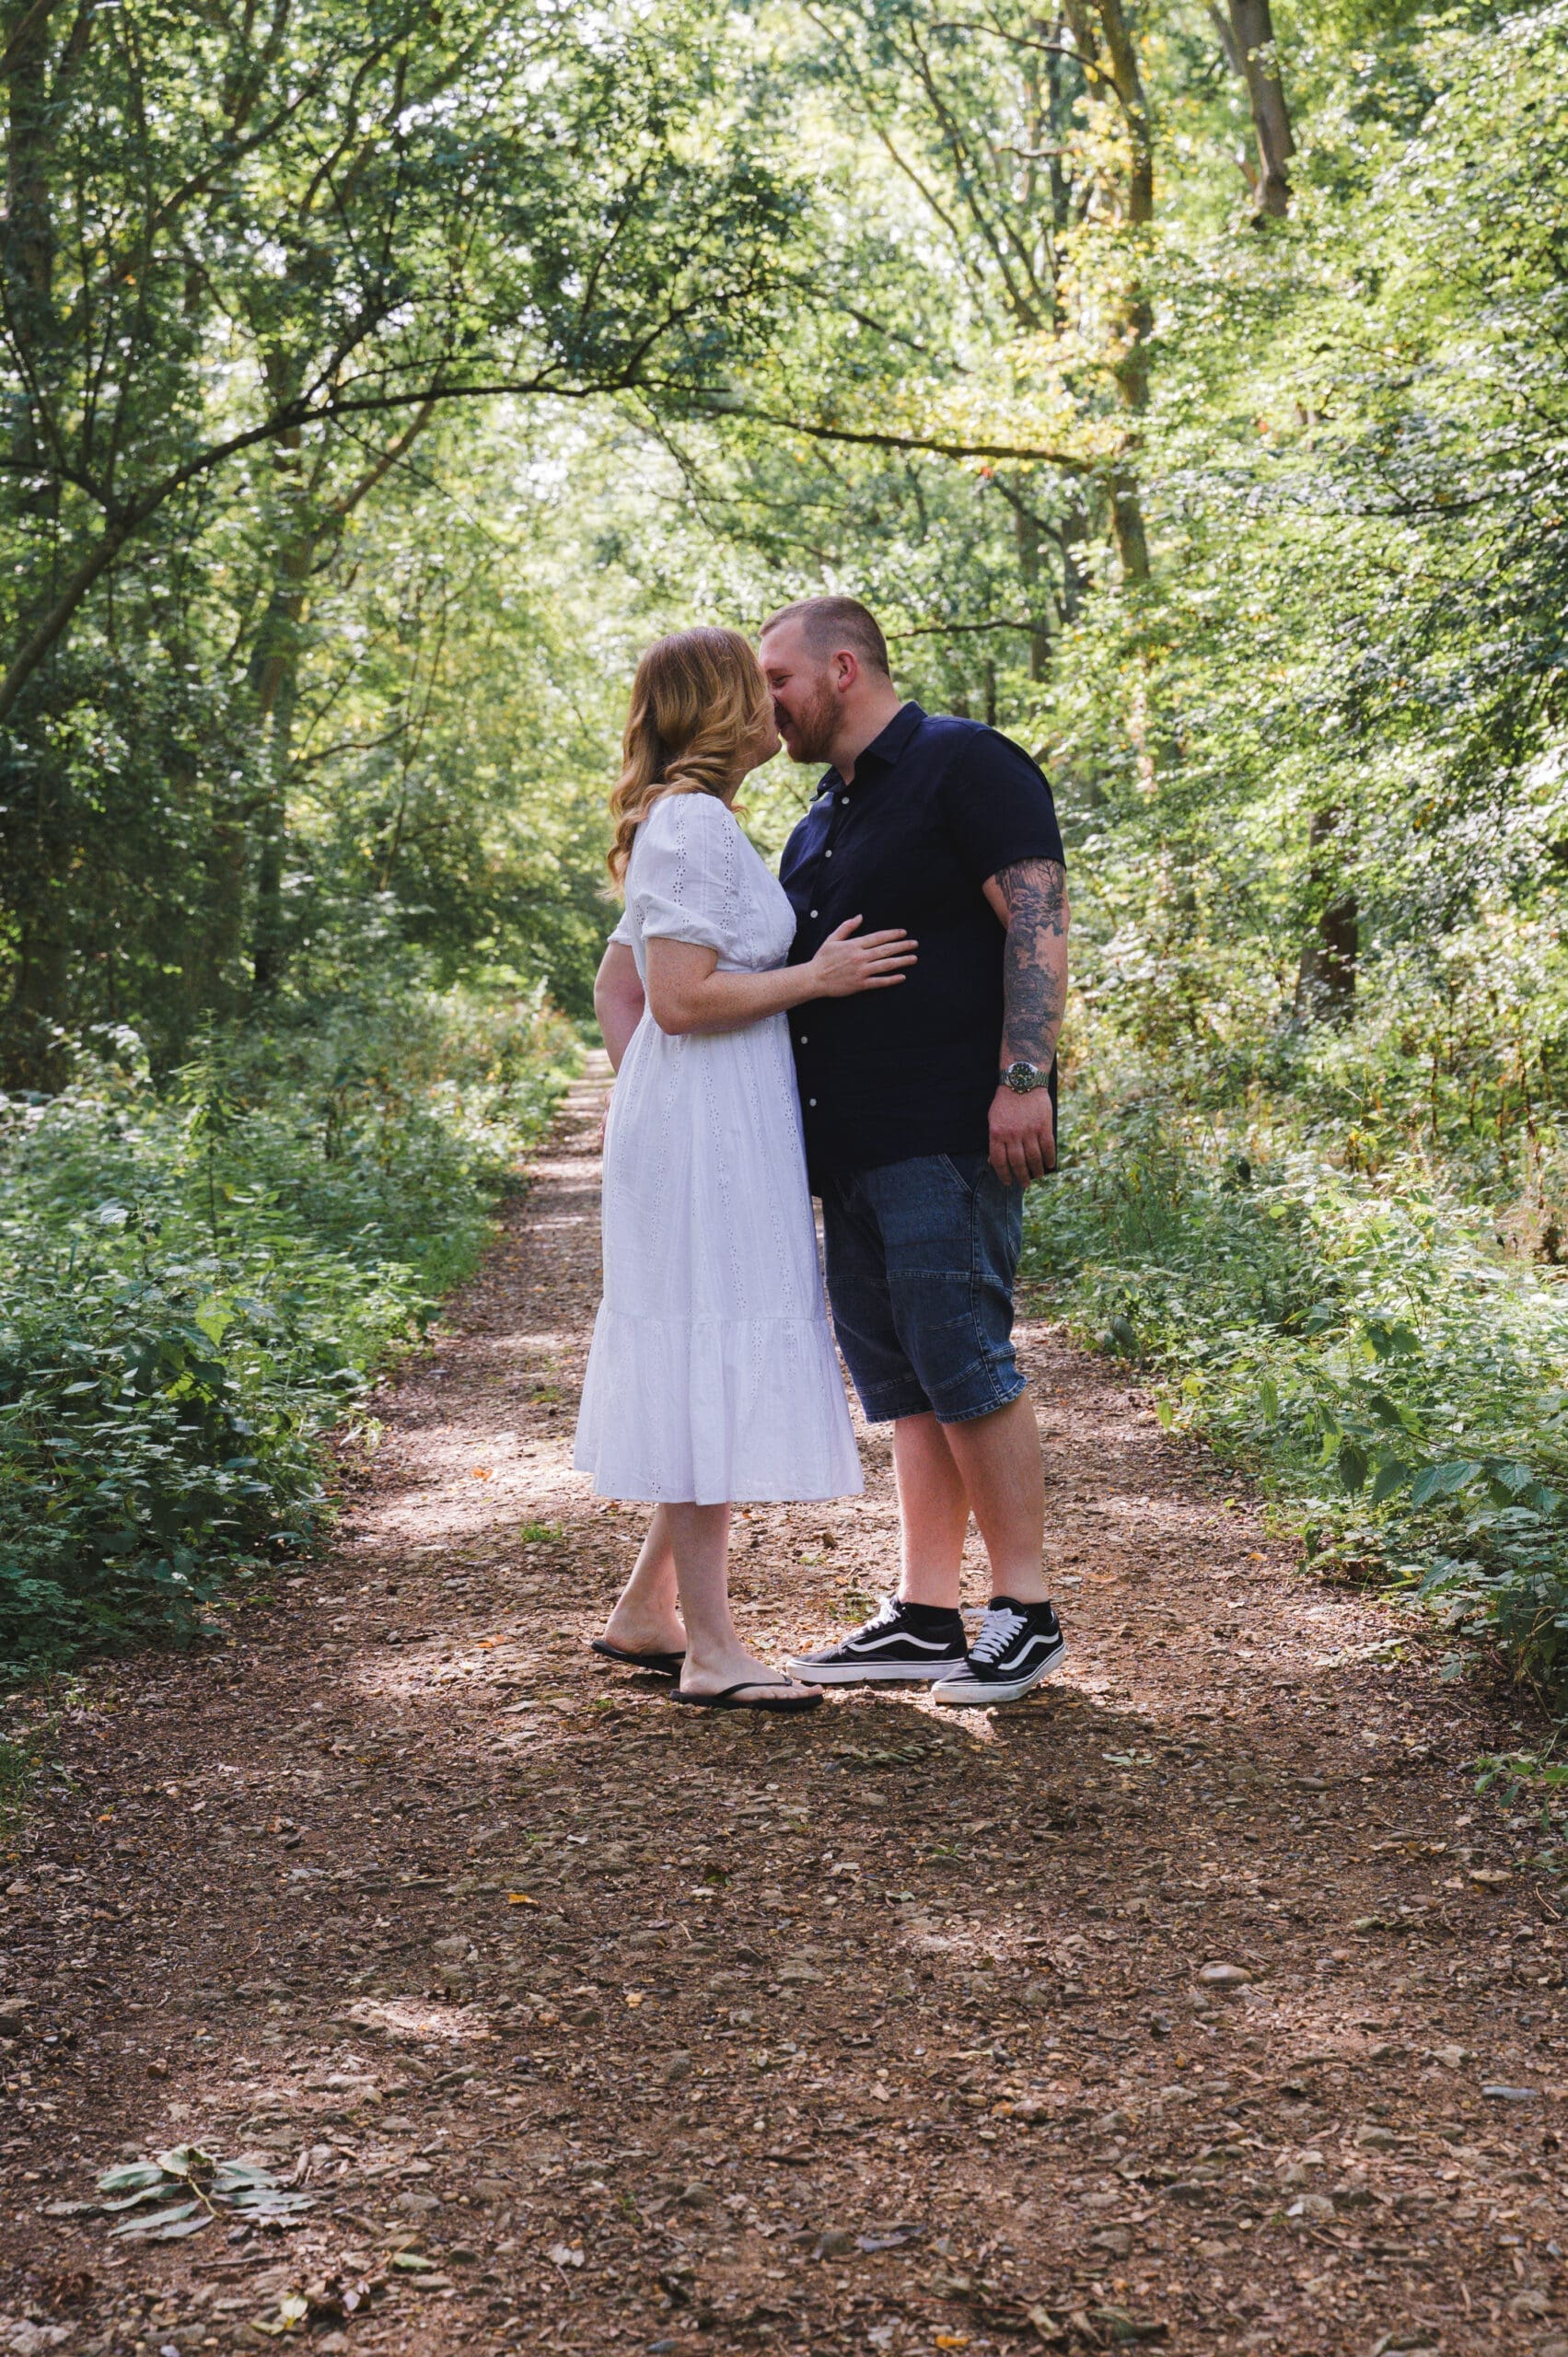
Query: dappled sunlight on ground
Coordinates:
[1167,2003]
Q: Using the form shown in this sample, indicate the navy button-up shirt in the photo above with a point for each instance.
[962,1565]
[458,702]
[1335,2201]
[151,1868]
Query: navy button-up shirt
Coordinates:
[937,808]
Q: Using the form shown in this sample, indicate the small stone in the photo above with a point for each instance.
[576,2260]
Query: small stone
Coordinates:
[835,2242]
[1309,2208]
[1491,1876]
[1377,2139]
[1224,1976]
[1452,2058]
[1351,2197]
[1116,2241]
[678,2066]
[1500,2094]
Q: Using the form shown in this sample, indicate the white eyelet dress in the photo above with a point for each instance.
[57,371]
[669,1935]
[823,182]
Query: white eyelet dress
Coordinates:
[712,1375]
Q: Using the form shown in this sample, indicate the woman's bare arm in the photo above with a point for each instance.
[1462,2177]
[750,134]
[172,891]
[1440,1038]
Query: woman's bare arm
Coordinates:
[618,1000]
[687,992]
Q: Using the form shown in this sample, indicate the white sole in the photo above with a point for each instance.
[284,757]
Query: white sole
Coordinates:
[870,1673]
[973,1696]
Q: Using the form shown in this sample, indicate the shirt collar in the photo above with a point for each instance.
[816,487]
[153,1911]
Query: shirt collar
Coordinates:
[886,747]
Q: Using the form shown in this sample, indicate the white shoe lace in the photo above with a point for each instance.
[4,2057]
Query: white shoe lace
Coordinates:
[886,1612]
[997,1631]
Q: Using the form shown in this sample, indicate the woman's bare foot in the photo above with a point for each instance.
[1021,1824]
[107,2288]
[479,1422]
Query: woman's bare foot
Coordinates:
[714,1672]
[645,1617]
[644,1632]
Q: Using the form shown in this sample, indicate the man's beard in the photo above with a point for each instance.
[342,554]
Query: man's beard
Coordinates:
[813,728]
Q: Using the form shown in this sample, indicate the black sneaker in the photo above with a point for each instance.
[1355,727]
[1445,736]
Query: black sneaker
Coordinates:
[1017,1646]
[903,1641]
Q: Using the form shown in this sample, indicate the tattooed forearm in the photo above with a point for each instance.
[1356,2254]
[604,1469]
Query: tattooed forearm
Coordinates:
[1033,899]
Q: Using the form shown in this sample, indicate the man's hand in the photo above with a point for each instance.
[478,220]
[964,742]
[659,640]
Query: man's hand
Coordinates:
[1023,1135]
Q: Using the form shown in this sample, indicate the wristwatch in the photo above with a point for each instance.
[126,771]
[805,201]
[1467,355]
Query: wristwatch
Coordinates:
[1022,1078]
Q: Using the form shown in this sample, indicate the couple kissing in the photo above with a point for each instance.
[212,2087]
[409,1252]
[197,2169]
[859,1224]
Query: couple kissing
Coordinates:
[876,1026]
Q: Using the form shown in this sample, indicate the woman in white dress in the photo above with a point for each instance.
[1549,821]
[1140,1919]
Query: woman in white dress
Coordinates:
[712,1380]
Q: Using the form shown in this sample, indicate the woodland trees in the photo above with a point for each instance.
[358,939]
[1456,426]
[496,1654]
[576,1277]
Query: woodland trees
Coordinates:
[251,258]
[1180,379]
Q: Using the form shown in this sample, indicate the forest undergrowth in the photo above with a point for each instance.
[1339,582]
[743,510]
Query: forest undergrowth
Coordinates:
[203,1279]
[1364,1318]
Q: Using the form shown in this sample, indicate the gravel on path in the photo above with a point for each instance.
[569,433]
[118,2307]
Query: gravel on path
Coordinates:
[1197,1999]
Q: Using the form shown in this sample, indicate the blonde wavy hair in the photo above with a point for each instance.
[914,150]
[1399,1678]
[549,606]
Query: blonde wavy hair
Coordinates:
[698,699]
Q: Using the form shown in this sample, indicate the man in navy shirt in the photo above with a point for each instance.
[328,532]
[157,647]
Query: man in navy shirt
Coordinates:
[927,1109]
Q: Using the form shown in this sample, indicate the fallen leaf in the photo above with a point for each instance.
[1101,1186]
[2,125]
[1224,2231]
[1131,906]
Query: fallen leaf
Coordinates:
[164,2225]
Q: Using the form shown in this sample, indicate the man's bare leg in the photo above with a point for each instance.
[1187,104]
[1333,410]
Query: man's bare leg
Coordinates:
[934,1514]
[998,1457]
[989,1464]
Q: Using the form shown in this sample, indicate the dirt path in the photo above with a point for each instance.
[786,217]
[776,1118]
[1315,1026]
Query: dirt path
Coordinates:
[586,2024]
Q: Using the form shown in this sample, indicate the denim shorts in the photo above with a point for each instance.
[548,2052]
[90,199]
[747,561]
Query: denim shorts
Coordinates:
[922,1256]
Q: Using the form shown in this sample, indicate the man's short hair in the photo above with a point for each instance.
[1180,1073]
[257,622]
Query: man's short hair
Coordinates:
[833,623]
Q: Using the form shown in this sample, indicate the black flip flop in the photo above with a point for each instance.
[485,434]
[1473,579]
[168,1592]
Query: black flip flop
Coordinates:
[662,1665]
[795,1697]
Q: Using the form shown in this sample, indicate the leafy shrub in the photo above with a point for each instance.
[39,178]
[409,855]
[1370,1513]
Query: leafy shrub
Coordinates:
[197,1281]
[1366,1347]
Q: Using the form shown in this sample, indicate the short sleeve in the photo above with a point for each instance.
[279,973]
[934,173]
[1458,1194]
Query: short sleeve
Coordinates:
[622,933]
[684,883]
[999,806]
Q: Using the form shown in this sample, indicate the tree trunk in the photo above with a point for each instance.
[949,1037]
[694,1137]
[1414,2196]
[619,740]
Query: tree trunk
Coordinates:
[27,236]
[1325,982]
[1251,52]
[1028,534]
[274,684]
[37,886]
[1114,59]
[274,670]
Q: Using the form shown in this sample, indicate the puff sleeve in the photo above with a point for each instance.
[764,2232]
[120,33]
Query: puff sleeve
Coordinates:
[684,882]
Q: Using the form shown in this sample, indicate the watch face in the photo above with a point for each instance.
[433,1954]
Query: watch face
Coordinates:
[1021,1077]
